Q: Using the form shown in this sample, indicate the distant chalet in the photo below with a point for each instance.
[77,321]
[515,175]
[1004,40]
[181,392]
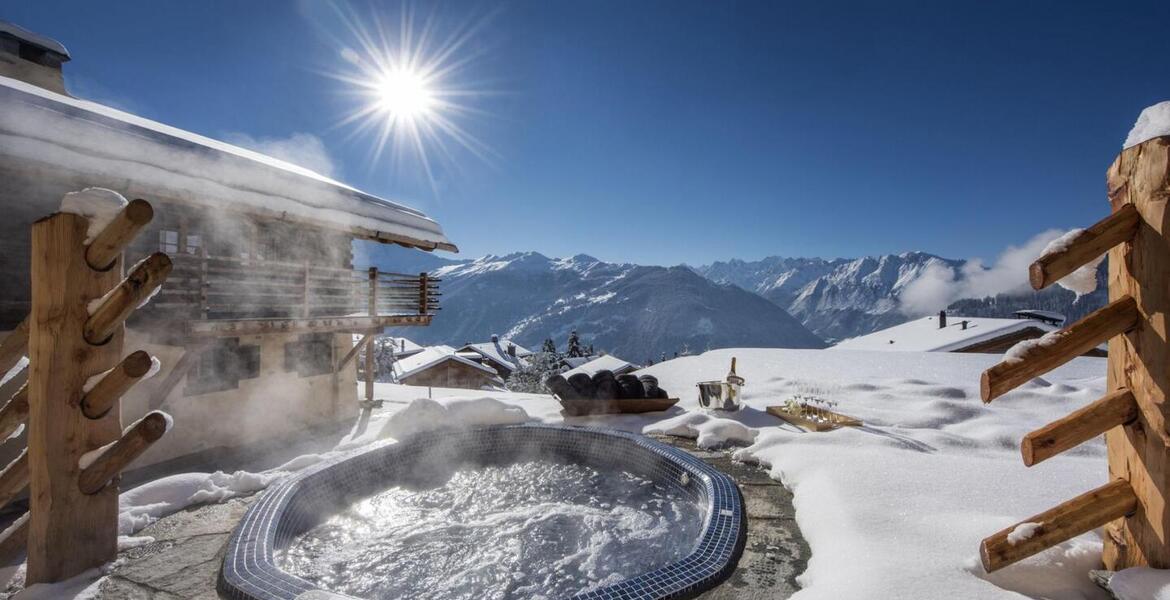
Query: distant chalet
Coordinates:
[946,333]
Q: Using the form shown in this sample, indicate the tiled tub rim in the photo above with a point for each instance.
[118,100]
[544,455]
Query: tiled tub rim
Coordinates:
[250,573]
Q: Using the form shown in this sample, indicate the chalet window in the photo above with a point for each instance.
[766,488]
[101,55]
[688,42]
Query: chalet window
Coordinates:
[194,244]
[311,354]
[221,367]
[168,241]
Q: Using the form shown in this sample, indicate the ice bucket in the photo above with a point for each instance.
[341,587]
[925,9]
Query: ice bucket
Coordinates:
[719,395]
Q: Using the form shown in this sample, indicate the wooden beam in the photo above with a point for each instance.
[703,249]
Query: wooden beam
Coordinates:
[239,327]
[1117,408]
[69,532]
[130,446]
[114,384]
[1115,229]
[366,339]
[14,346]
[14,413]
[13,540]
[1084,513]
[14,478]
[113,308]
[118,234]
[158,395]
[1059,347]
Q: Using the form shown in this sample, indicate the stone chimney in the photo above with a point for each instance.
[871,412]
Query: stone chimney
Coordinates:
[942,319]
[32,58]
[495,339]
[512,350]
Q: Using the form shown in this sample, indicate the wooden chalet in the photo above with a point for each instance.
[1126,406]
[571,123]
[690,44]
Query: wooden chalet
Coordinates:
[256,324]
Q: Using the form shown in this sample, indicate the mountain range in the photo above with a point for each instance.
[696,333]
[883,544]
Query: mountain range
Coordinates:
[642,312]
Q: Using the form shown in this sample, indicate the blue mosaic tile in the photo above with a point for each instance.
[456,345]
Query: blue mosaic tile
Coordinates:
[300,503]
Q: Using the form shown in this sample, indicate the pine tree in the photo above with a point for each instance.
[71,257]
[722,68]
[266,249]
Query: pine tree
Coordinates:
[549,347]
[530,377]
[574,345]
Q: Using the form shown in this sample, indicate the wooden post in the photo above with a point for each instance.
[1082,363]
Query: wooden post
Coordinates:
[370,346]
[114,384]
[69,531]
[1079,515]
[108,244]
[1115,409]
[130,446]
[113,308]
[203,283]
[1118,317]
[14,413]
[1115,229]
[422,293]
[1140,361]
[305,291]
[14,346]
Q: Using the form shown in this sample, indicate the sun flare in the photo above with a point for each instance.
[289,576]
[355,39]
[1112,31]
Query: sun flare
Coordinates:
[404,94]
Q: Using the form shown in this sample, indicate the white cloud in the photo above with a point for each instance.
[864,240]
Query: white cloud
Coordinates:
[938,286]
[301,149]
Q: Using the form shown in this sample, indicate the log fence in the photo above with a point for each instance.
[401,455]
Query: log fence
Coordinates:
[1134,413]
[70,403]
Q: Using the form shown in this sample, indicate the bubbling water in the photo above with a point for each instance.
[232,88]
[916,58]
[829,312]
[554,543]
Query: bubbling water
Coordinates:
[532,529]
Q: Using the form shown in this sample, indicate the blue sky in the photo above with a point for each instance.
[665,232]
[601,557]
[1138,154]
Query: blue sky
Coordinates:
[670,132]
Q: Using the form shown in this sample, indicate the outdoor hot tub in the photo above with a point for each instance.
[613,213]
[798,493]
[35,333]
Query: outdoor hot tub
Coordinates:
[510,511]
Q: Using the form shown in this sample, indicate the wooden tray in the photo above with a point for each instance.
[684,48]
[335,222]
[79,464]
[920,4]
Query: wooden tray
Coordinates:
[578,408]
[803,422]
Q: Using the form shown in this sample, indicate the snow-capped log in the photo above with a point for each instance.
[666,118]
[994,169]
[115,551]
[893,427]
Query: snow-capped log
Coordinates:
[14,413]
[1082,514]
[1116,408]
[14,346]
[105,248]
[113,383]
[1084,247]
[1059,347]
[14,478]
[108,312]
[134,441]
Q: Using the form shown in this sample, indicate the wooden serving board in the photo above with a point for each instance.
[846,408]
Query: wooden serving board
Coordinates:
[578,408]
[814,425]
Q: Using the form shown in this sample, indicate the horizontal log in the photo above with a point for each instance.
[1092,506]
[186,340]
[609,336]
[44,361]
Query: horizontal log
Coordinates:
[1117,408]
[14,413]
[14,540]
[105,248]
[14,346]
[1115,229]
[117,305]
[130,446]
[14,478]
[98,401]
[1064,522]
[238,327]
[1059,347]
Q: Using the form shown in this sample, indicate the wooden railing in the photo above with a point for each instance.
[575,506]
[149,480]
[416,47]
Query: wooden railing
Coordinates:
[1134,413]
[218,287]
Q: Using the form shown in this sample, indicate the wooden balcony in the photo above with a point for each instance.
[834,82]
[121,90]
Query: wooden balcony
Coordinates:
[225,297]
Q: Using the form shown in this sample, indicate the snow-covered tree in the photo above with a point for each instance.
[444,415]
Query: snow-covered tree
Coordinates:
[575,350]
[549,346]
[530,377]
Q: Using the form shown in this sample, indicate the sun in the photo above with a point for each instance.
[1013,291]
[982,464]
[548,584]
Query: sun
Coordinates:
[413,88]
[404,94]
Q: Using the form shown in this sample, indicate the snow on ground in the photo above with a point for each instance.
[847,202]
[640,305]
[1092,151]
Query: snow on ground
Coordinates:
[896,508]
[893,509]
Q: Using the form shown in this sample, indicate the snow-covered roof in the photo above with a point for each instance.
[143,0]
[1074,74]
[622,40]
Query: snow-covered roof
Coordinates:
[498,352]
[402,346]
[35,39]
[606,362]
[432,356]
[924,335]
[99,146]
